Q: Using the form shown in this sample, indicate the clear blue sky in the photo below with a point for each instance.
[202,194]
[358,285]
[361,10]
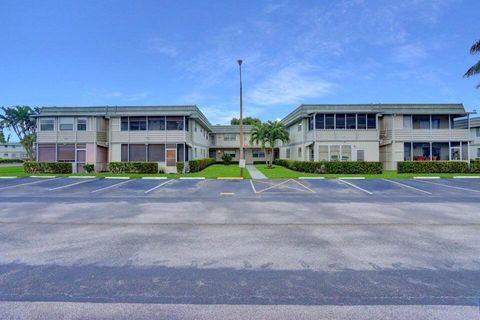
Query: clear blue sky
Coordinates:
[184,52]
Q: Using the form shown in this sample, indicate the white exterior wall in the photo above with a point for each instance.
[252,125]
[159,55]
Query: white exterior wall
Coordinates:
[200,140]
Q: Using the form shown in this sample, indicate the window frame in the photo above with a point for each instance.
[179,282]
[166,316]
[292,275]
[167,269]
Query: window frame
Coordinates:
[41,127]
[78,124]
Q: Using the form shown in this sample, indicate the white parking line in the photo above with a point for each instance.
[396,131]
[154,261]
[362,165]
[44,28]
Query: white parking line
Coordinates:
[158,186]
[407,186]
[426,178]
[154,178]
[466,177]
[227,193]
[43,177]
[71,184]
[253,187]
[25,184]
[312,191]
[453,187]
[351,178]
[82,177]
[311,178]
[8,177]
[355,186]
[117,178]
[192,178]
[112,186]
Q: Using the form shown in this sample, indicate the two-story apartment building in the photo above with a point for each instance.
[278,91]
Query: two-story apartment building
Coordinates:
[12,150]
[472,124]
[375,132]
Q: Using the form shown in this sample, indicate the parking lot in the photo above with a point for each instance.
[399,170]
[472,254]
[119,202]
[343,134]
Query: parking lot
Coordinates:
[356,189]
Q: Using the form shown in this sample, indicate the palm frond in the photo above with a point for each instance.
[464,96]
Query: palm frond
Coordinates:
[474,70]
[475,47]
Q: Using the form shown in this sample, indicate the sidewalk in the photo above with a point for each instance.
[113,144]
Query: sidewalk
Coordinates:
[254,172]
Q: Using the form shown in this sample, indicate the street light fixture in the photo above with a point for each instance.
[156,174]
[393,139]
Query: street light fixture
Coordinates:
[241,160]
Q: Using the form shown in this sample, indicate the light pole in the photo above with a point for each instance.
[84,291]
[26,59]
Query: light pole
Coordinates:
[241,160]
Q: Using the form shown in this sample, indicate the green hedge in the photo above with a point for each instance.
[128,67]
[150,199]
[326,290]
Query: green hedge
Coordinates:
[334,167]
[47,167]
[200,164]
[432,167]
[133,167]
[180,166]
[475,165]
[10,160]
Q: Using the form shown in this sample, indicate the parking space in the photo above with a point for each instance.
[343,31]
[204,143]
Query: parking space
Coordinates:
[328,189]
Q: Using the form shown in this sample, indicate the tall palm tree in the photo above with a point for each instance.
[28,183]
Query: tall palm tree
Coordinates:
[258,135]
[19,120]
[276,131]
[475,69]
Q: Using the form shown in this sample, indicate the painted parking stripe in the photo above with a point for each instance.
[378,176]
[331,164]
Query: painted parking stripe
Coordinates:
[407,186]
[466,177]
[453,187]
[426,178]
[8,177]
[355,186]
[192,178]
[352,178]
[43,177]
[112,186]
[311,178]
[71,184]
[26,184]
[312,191]
[117,178]
[82,177]
[158,186]
[227,193]
[253,186]
[154,178]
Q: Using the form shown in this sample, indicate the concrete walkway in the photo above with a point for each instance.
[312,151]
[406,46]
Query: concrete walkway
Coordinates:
[254,172]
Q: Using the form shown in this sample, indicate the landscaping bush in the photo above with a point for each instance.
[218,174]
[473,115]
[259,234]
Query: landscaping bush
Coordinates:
[10,160]
[334,167]
[180,166]
[227,159]
[133,167]
[47,167]
[432,167]
[200,164]
[475,165]
[89,168]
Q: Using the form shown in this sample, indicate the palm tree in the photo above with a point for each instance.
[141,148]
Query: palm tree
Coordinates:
[475,69]
[19,120]
[266,135]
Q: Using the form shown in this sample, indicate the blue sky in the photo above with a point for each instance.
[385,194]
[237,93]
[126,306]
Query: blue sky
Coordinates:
[68,53]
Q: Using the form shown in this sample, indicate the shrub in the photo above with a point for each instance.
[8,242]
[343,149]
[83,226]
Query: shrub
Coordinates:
[200,164]
[10,160]
[432,167]
[133,167]
[89,168]
[227,158]
[335,167]
[47,167]
[475,165]
[180,166]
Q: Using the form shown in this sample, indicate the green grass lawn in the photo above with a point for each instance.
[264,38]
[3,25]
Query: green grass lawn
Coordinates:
[211,172]
[282,172]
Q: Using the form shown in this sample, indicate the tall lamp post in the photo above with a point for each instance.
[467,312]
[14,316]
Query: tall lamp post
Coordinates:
[241,160]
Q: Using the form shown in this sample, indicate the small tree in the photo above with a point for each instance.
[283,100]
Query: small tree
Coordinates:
[227,159]
[258,135]
[266,135]
[19,120]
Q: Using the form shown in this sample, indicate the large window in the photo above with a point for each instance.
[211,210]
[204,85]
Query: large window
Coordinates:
[124,124]
[320,121]
[230,152]
[440,151]
[156,153]
[156,123]
[47,124]
[66,123]
[81,124]
[407,122]
[421,121]
[371,121]
[335,152]
[351,121]
[323,153]
[340,121]
[229,137]
[174,123]
[66,153]
[439,121]
[361,121]
[407,151]
[138,123]
[329,121]
[46,152]
[258,153]
[137,152]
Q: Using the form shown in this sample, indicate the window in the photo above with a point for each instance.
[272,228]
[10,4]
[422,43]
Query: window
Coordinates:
[440,151]
[421,151]
[320,121]
[439,122]
[360,155]
[299,152]
[180,154]
[477,132]
[229,152]
[137,152]
[46,152]
[258,154]
[156,153]
[66,153]
[299,127]
[478,152]
[138,123]
[186,123]
[361,121]
[156,123]
[47,124]
[346,152]
[335,153]
[81,124]
[329,121]
[351,121]
[323,153]
[340,121]
[407,151]
[229,137]
[407,122]
[287,153]
[124,152]
[421,121]
[455,151]
[174,123]
[310,123]
[65,124]
[371,121]
[124,124]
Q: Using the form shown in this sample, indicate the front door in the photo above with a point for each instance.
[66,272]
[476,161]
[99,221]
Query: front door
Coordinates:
[171,157]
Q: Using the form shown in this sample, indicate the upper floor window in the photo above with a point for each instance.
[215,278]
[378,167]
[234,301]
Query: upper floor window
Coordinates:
[340,121]
[174,123]
[310,123]
[421,121]
[66,124]
[124,124]
[320,121]
[371,121]
[47,124]
[361,121]
[156,123]
[351,121]
[138,123]
[477,132]
[329,121]
[299,127]
[81,124]
[229,137]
